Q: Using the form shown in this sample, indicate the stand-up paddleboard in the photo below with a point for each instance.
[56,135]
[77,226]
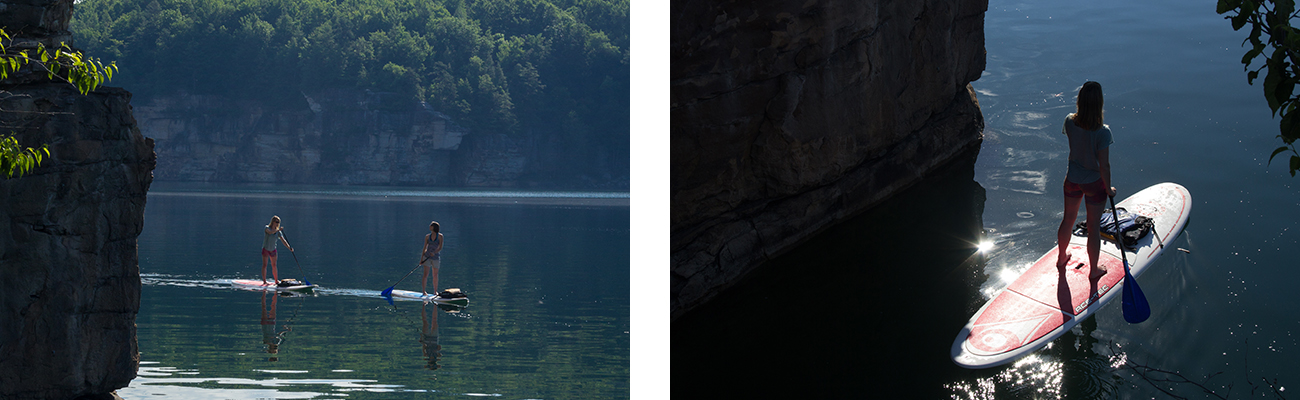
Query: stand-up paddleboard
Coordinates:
[459,300]
[1042,305]
[294,286]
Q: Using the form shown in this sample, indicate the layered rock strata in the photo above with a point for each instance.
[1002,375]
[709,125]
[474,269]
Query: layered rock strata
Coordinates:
[788,117]
[69,276]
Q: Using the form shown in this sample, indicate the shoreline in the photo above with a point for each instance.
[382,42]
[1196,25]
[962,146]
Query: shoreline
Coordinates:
[504,199]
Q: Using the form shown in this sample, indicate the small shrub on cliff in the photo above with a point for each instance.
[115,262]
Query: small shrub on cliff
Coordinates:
[15,160]
[63,64]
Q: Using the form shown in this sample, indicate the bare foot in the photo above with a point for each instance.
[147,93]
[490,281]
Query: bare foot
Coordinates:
[1098,272]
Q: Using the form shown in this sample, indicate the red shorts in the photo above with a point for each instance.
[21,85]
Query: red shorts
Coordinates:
[1095,191]
[269,253]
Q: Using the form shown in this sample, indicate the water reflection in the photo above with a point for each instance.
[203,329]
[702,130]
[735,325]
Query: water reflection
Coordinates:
[429,332]
[273,335]
[853,313]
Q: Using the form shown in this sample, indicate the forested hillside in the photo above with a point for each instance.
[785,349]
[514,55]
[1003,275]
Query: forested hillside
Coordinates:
[495,66]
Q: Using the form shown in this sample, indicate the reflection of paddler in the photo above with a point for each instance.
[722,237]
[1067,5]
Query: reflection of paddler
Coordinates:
[429,336]
[269,337]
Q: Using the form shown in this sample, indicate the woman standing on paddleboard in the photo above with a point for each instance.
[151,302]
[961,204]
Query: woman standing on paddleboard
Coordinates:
[430,257]
[269,244]
[1088,176]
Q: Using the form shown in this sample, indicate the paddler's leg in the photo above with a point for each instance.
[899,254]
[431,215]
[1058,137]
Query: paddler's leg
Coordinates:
[434,273]
[275,272]
[1094,238]
[424,281]
[1067,225]
[264,254]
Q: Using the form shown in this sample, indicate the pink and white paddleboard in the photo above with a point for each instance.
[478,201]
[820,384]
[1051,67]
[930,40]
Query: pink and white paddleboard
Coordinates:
[258,285]
[1042,305]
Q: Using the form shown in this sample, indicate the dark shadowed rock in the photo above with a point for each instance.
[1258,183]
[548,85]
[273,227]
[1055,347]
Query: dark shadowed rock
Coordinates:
[69,277]
[788,117]
[70,285]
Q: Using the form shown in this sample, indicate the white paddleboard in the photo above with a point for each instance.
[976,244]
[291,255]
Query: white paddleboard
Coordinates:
[430,298]
[258,285]
[1036,308]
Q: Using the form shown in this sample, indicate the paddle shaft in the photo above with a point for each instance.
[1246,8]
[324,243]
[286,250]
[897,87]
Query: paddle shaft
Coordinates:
[389,291]
[295,260]
[1135,304]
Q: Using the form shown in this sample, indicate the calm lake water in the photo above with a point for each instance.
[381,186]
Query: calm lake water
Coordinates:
[547,279]
[890,290]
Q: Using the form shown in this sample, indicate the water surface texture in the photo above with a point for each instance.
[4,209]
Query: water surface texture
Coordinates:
[547,280]
[1224,310]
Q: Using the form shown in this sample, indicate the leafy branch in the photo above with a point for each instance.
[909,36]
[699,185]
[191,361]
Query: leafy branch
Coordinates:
[1270,27]
[62,64]
[15,160]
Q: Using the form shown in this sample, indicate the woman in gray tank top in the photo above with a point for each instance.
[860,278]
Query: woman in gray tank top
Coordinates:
[1087,175]
[269,244]
[430,257]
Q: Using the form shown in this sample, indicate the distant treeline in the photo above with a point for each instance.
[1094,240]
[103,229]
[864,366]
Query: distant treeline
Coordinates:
[498,66]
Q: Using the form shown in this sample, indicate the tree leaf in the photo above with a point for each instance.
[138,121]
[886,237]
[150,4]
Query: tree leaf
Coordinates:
[1276,152]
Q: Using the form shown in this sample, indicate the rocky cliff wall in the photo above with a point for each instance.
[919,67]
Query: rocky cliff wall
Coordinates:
[332,137]
[355,138]
[69,276]
[788,117]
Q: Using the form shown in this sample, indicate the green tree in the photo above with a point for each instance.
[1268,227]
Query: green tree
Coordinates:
[1270,29]
[63,64]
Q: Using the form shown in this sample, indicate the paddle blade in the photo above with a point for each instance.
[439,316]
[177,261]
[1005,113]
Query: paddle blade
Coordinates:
[387,292]
[1136,308]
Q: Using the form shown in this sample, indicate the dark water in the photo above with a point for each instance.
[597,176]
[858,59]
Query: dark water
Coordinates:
[548,281]
[1224,315]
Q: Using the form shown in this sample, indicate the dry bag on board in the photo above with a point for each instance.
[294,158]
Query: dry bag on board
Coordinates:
[1131,226]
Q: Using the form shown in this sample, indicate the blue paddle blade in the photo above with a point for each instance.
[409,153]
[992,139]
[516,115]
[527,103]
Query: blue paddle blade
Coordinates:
[387,293]
[1136,308]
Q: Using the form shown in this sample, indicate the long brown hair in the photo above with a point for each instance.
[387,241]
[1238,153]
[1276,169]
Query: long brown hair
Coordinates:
[1088,112]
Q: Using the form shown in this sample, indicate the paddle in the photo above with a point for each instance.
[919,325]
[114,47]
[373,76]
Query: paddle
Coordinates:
[1136,308]
[295,261]
[389,292]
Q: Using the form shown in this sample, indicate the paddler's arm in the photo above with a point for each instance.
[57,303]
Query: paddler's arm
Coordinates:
[286,242]
[1103,161]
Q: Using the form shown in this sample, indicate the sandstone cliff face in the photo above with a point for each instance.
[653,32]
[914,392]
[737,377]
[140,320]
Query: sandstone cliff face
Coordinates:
[790,116]
[69,276]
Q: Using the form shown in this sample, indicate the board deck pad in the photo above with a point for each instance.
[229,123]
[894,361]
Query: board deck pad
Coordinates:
[1037,304]
[1042,304]
[257,284]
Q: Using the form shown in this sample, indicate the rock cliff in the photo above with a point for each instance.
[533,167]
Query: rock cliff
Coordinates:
[69,277]
[347,137]
[788,117]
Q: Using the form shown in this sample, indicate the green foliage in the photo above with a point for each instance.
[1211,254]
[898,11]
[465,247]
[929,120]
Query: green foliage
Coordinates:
[1271,31]
[496,66]
[64,64]
[15,160]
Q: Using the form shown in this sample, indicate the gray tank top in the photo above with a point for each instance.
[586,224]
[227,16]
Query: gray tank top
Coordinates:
[431,248]
[271,241]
